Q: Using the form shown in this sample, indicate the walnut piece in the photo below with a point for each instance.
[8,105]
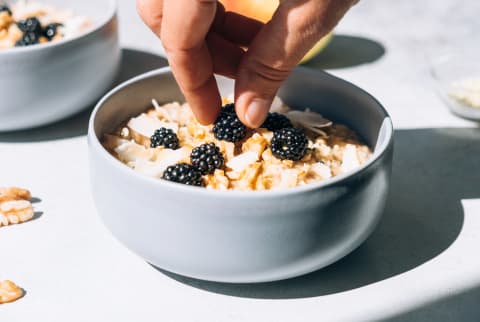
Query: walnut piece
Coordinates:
[15,206]
[14,193]
[9,292]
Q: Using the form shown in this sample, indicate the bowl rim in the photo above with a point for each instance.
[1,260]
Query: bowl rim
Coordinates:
[111,14]
[95,146]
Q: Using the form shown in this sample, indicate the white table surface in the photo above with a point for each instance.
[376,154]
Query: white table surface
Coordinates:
[421,264]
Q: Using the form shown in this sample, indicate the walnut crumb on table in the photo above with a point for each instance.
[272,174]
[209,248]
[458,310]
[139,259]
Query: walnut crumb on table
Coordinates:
[9,292]
[15,206]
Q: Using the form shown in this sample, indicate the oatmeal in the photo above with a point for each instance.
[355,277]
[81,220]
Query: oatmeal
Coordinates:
[26,23]
[292,148]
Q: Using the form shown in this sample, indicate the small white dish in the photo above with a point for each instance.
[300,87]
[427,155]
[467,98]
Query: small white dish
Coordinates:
[449,70]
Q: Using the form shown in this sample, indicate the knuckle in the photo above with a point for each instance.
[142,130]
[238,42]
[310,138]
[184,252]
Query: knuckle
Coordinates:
[272,73]
[177,47]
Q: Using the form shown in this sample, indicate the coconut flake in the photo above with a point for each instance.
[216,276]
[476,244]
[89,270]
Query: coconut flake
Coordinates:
[148,168]
[112,141]
[321,170]
[165,158]
[242,161]
[130,151]
[288,178]
[310,121]
[146,125]
[350,159]
[278,106]
[155,104]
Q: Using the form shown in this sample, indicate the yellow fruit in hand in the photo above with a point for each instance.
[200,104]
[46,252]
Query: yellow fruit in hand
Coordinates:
[257,9]
[319,46]
[263,10]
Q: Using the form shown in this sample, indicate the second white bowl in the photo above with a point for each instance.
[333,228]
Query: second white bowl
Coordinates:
[44,83]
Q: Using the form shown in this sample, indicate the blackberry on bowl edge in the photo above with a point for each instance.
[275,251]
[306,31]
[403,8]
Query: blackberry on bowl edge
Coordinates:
[207,157]
[276,121]
[164,137]
[228,126]
[289,144]
[184,173]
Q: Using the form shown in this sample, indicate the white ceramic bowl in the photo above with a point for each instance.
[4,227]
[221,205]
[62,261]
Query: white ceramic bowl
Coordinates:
[235,236]
[44,83]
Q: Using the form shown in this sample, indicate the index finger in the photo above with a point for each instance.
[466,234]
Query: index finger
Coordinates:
[185,26]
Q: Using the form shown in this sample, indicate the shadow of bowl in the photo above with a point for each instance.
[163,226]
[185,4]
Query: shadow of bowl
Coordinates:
[433,170]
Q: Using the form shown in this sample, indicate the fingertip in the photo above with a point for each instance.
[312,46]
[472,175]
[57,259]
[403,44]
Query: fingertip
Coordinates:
[206,119]
[206,111]
[205,101]
[252,110]
[257,111]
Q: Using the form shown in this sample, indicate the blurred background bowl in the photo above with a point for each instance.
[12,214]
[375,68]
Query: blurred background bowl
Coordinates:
[449,70]
[44,83]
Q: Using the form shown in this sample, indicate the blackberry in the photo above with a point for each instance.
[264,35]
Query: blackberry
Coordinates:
[276,121]
[164,137]
[5,8]
[289,143]
[206,158]
[50,30]
[228,127]
[30,25]
[28,39]
[229,108]
[184,173]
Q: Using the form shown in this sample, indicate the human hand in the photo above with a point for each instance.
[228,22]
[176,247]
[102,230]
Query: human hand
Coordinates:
[201,39]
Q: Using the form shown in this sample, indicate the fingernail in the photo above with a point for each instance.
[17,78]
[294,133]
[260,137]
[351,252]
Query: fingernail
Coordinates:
[255,114]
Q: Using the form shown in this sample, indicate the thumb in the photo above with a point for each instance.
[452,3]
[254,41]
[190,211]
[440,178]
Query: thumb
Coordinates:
[295,27]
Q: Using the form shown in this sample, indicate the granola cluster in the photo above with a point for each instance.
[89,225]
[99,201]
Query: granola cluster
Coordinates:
[248,164]
[15,206]
[26,23]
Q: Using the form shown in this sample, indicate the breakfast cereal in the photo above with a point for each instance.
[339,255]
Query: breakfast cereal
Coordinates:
[292,148]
